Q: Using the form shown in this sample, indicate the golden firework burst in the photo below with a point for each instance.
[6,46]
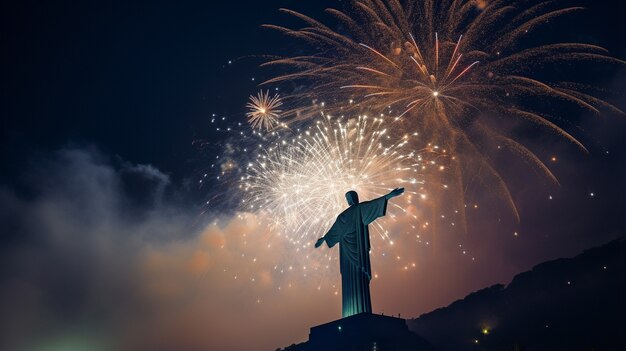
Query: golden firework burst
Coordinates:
[459,72]
[263,110]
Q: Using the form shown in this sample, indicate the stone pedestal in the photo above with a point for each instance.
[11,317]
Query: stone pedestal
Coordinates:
[361,332]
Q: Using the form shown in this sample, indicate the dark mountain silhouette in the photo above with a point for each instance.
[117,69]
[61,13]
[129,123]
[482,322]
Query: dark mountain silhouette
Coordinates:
[574,303]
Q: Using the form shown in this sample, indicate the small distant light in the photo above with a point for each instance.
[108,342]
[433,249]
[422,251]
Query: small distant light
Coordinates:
[604,267]
[592,194]
[569,283]
[550,197]
[339,327]
[435,93]
[553,159]
[515,234]
[475,341]
[485,331]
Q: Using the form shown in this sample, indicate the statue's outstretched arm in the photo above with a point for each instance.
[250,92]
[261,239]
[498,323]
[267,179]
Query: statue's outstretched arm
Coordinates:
[333,235]
[395,192]
[319,242]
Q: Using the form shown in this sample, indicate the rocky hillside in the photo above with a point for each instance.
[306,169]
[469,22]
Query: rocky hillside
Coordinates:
[574,303]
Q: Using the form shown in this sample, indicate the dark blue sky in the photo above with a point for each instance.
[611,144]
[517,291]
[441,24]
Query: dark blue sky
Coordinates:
[140,80]
[137,80]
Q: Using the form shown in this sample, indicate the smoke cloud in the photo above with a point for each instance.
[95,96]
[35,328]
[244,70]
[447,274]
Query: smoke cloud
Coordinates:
[104,255]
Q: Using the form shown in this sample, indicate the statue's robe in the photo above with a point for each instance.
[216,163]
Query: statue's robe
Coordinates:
[351,232]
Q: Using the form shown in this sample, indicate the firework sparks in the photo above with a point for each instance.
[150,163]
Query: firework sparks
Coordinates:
[264,112]
[301,181]
[447,70]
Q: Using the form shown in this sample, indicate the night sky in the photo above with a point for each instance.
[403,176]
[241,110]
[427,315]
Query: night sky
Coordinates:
[107,241]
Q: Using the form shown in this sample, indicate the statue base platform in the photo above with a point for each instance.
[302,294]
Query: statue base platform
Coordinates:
[360,332]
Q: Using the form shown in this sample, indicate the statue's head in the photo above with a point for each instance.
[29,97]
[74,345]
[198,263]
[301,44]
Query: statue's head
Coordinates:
[352,197]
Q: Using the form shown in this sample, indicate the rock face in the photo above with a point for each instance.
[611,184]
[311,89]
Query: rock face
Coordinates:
[567,304]
[361,332]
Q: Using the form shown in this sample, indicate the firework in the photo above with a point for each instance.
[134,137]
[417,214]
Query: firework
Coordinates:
[448,69]
[300,181]
[264,112]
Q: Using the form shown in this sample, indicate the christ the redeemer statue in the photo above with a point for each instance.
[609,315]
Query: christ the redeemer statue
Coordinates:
[350,231]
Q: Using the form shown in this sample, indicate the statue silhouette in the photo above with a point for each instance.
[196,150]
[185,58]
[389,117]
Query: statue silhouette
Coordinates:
[350,231]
